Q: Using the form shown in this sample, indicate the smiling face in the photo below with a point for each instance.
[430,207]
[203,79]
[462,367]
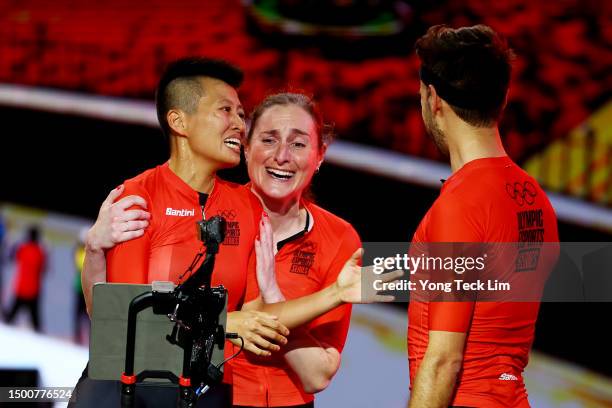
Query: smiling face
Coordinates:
[283,153]
[216,129]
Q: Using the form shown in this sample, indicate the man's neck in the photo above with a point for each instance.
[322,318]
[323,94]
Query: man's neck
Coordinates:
[467,143]
[198,174]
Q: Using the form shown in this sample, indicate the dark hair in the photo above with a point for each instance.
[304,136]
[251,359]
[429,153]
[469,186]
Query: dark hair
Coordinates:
[470,69]
[33,233]
[179,86]
[324,131]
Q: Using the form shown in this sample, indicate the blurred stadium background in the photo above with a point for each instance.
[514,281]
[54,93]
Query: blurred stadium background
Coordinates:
[76,104]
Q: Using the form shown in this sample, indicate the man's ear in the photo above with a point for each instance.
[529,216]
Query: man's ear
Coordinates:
[177,121]
[435,103]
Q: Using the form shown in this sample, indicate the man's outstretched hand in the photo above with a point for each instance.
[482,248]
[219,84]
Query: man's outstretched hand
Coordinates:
[355,283]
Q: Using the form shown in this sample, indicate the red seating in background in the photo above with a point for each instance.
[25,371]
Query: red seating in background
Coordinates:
[119,48]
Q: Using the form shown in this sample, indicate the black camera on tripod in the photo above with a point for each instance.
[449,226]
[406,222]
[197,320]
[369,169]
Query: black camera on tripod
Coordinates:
[212,231]
[195,308]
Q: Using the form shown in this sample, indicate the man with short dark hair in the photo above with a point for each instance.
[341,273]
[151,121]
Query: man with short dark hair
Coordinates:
[182,86]
[472,353]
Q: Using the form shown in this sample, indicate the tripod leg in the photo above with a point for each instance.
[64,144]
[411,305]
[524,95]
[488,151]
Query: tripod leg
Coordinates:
[127,395]
[187,397]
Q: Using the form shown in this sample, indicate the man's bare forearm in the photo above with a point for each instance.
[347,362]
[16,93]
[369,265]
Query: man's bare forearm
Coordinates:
[314,363]
[94,271]
[435,382]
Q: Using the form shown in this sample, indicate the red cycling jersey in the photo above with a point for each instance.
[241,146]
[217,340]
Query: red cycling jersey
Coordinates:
[170,243]
[303,266]
[485,201]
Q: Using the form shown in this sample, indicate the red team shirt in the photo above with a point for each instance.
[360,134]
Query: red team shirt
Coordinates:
[487,200]
[170,243]
[303,266]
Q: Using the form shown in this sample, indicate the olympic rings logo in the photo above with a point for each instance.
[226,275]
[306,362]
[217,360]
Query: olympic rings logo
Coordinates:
[228,214]
[522,193]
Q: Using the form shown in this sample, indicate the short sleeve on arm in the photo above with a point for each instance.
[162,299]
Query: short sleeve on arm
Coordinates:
[128,262]
[455,222]
[451,220]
